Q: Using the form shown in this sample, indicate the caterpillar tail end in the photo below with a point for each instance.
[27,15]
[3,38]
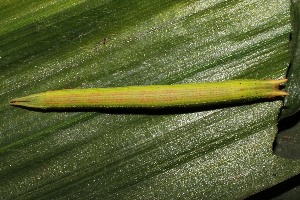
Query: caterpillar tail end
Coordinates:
[276,84]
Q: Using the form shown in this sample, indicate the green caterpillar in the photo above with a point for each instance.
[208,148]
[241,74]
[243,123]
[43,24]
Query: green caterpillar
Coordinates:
[154,96]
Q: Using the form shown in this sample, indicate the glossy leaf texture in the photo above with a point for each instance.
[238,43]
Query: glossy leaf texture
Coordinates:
[292,102]
[200,153]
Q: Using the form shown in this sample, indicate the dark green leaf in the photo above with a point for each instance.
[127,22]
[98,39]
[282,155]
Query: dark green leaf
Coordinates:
[204,153]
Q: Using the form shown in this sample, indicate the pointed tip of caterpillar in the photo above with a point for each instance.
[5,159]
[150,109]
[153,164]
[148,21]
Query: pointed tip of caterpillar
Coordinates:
[16,101]
[19,101]
[27,101]
[280,93]
[279,82]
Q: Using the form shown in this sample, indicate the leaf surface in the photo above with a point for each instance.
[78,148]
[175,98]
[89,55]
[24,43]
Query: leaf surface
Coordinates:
[213,152]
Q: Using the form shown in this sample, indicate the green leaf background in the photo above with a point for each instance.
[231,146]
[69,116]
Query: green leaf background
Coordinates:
[202,153]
